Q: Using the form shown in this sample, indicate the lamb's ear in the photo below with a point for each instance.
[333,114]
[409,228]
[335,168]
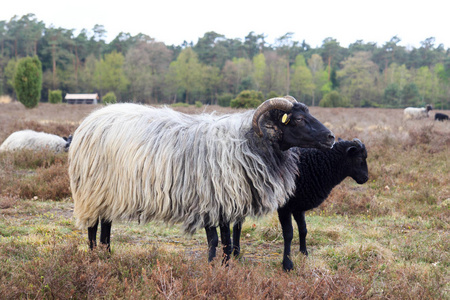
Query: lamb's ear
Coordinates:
[64,138]
[339,139]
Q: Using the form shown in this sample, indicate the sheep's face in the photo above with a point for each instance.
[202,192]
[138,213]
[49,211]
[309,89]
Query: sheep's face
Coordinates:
[357,160]
[300,129]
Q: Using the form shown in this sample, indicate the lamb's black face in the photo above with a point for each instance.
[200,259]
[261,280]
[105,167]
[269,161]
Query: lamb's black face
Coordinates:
[301,129]
[357,156]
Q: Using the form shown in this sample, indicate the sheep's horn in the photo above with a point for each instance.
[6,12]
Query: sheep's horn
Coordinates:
[268,105]
[290,98]
[358,142]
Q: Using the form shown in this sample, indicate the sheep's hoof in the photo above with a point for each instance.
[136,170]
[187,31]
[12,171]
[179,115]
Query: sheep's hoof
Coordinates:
[288,265]
[236,252]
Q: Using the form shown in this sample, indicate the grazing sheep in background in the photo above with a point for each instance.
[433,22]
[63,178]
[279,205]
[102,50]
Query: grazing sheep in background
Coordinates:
[319,172]
[440,117]
[32,140]
[416,112]
[130,161]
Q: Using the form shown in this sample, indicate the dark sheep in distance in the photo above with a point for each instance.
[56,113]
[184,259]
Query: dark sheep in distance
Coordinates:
[319,172]
[440,117]
[129,161]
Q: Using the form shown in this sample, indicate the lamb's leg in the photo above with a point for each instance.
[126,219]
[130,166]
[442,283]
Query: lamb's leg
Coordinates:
[302,230]
[213,241]
[284,215]
[105,234]
[225,236]
[237,238]
[92,235]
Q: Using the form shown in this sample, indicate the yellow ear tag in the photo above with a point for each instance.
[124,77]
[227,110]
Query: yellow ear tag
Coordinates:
[285,119]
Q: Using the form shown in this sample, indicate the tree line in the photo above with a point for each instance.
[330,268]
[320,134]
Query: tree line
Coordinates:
[216,69]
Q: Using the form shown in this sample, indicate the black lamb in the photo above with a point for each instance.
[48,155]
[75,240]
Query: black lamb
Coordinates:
[440,117]
[320,171]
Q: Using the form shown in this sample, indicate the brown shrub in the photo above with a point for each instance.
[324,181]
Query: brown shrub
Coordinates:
[27,174]
[7,201]
[47,183]
[61,270]
[57,128]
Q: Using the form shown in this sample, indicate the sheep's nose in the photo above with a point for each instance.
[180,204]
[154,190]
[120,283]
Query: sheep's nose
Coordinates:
[331,138]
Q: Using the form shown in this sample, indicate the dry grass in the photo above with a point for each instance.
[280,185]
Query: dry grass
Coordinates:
[5,99]
[386,239]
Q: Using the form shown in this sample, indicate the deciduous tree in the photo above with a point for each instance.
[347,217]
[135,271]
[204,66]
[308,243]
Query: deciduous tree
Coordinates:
[302,80]
[109,73]
[359,77]
[185,73]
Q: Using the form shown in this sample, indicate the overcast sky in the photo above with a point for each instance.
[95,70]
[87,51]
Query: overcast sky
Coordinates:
[173,22]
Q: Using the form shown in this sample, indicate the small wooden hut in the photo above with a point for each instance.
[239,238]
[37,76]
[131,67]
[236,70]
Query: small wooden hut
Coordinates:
[81,98]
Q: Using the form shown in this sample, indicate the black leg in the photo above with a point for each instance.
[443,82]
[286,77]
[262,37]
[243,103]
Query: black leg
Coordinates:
[105,233]
[302,230]
[237,238]
[284,215]
[213,241]
[225,236]
[92,235]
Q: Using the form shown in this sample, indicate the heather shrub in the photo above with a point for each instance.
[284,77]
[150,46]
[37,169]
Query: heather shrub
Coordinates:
[57,128]
[46,183]
[27,173]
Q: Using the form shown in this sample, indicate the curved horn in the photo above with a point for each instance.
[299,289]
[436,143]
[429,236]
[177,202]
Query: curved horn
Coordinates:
[358,142]
[268,105]
[290,98]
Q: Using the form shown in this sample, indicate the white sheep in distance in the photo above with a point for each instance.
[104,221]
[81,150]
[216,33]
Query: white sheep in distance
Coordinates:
[33,140]
[130,161]
[416,112]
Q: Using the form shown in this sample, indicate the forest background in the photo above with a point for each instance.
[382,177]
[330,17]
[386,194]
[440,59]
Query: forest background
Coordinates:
[216,68]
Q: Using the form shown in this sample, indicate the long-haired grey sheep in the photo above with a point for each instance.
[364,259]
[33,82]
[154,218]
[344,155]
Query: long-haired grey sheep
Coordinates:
[129,161]
[33,140]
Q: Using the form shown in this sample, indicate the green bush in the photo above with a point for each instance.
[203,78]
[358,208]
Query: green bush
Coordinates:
[198,104]
[28,81]
[247,99]
[225,99]
[110,98]
[55,96]
[334,99]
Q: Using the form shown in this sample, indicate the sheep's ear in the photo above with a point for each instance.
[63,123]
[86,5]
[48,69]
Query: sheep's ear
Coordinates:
[285,119]
[64,138]
[352,150]
[339,139]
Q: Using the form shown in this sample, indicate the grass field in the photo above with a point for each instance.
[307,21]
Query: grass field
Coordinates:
[386,239]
